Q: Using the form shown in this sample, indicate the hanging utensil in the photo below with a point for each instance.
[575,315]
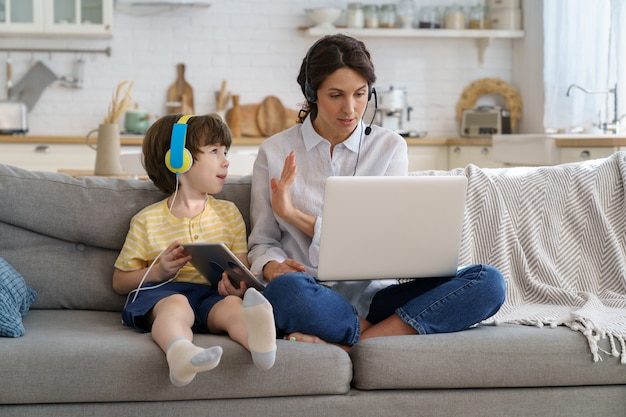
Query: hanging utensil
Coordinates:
[77,77]
[33,84]
[9,77]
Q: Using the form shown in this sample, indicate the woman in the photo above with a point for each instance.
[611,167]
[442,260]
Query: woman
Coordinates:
[337,77]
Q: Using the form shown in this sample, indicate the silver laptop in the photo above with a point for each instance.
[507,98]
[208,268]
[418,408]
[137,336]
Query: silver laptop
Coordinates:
[391,227]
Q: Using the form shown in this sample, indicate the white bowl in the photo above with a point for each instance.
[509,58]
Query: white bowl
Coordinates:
[324,17]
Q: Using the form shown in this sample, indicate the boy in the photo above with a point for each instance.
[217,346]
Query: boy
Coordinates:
[185,156]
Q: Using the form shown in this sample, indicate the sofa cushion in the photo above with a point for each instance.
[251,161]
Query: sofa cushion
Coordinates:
[94,211]
[75,228]
[89,356]
[486,356]
[15,300]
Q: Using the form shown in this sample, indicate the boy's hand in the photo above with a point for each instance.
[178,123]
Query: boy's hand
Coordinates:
[172,260]
[226,287]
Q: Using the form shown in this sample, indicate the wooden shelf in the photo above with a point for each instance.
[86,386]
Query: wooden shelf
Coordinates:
[419,33]
[483,37]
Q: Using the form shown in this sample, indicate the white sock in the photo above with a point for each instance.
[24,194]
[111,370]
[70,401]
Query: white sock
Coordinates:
[186,359]
[259,317]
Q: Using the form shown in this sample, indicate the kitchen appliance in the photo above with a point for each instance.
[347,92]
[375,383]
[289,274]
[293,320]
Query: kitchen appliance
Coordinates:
[484,121]
[393,109]
[13,117]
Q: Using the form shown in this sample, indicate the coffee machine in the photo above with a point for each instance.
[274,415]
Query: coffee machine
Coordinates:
[393,109]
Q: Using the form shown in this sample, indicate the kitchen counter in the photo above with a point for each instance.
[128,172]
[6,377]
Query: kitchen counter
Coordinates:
[136,140]
[125,140]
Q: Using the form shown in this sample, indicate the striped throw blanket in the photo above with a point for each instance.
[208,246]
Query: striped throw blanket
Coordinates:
[558,234]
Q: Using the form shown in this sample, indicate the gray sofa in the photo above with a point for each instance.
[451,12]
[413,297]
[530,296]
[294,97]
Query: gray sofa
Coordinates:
[62,234]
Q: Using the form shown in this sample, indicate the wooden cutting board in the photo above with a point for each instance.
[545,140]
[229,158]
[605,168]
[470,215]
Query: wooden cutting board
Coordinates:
[180,94]
[271,116]
[247,120]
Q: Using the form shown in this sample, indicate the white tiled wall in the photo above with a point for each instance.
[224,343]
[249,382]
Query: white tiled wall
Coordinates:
[254,45]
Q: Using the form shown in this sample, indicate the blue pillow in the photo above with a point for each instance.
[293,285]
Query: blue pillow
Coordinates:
[15,300]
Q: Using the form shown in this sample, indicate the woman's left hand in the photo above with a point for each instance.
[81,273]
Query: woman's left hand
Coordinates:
[225,287]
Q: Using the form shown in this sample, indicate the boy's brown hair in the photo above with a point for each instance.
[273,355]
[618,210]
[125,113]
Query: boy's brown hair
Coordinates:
[202,130]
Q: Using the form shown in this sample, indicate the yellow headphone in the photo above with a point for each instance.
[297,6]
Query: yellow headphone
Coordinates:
[178,158]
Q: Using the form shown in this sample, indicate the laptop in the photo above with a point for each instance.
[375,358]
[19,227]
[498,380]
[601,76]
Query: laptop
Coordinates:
[391,227]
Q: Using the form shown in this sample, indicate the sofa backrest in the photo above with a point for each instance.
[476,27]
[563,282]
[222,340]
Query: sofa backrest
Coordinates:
[63,234]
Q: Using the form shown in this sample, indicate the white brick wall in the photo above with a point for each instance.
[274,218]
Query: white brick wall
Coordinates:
[256,47]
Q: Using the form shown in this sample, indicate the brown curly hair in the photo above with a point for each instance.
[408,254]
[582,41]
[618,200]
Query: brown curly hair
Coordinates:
[326,56]
[202,130]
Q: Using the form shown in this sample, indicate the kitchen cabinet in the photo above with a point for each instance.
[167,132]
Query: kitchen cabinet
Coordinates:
[462,155]
[576,154]
[48,157]
[427,157]
[56,17]
[55,157]
[241,160]
[50,153]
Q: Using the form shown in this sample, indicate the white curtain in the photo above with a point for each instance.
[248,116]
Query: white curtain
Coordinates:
[584,44]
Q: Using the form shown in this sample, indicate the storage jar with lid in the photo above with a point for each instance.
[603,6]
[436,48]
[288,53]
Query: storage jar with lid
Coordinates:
[429,18]
[406,13]
[387,16]
[370,12]
[454,17]
[478,17]
[355,18]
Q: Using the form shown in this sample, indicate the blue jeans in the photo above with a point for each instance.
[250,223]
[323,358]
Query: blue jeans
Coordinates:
[434,305]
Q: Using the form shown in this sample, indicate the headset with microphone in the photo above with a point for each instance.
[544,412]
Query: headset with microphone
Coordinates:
[178,159]
[311,95]
[368,129]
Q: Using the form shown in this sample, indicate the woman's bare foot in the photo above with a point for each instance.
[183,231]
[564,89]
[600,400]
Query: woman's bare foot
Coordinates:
[306,338]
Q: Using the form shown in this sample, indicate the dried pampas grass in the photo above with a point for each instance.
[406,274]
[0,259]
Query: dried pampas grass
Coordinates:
[122,101]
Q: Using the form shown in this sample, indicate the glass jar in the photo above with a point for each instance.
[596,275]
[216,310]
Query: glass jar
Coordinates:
[355,18]
[370,13]
[429,18]
[406,13]
[387,16]
[478,17]
[455,17]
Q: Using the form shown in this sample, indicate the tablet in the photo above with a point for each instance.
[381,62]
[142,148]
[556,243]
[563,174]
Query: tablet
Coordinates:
[212,259]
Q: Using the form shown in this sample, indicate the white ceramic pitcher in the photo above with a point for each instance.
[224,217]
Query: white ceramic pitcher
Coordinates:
[107,148]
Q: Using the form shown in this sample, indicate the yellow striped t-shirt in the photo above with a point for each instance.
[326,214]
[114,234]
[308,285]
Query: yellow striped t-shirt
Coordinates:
[154,228]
